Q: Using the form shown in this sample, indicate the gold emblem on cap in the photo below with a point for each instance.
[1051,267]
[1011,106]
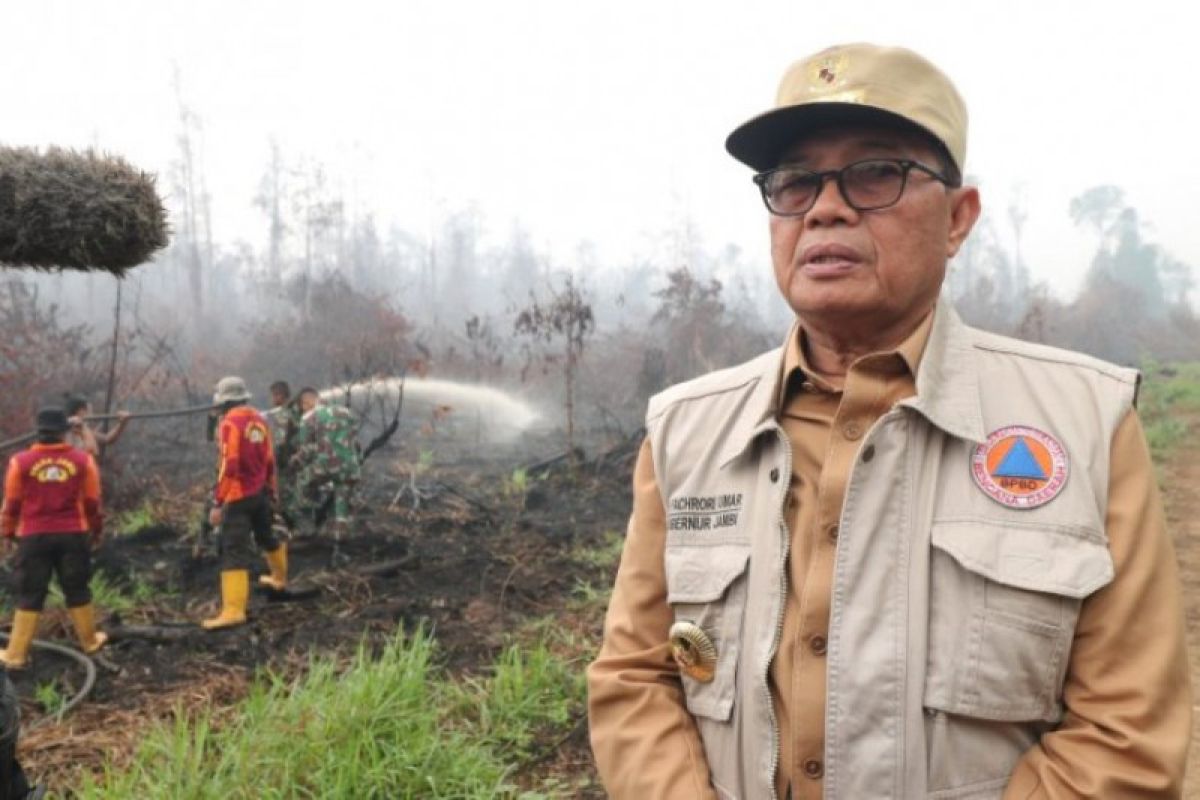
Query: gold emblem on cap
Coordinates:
[828,73]
[694,651]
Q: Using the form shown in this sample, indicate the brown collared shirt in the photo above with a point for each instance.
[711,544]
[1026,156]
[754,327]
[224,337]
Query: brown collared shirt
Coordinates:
[825,427]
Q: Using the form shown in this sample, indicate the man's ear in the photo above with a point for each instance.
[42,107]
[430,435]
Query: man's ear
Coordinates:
[964,212]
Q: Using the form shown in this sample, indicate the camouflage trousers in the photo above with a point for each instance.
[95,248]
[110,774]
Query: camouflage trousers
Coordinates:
[291,501]
[332,497]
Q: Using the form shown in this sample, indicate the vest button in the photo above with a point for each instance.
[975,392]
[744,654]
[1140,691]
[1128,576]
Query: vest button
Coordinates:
[775,475]
[832,532]
[814,768]
[852,430]
[818,644]
[868,453]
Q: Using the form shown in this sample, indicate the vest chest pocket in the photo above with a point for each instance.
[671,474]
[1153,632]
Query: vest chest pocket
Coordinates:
[706,586]
[1003,603]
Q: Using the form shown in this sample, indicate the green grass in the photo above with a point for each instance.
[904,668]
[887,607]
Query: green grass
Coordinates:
[133,520]
[530,694]
[591,595]
[1169,394]
[603,555]
[50,697]
[392,726]
[517,484]
[1163,434]
[109,596]
[587,596]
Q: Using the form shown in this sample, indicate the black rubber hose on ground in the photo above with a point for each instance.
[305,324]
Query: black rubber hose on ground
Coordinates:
[89,680]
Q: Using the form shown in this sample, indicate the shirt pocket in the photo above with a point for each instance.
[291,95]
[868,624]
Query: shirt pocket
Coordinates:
[706,586]
[1004,601]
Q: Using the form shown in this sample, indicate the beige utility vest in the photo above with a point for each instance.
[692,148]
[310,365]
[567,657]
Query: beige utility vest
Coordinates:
[952,614]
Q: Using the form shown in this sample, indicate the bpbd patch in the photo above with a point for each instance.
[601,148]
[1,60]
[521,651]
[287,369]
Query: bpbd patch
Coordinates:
[1020,467]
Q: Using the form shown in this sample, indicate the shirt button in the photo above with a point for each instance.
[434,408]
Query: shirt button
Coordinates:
[832,532]
[852,430]
[818,644]
[775,475]
[814,768]
[868,453]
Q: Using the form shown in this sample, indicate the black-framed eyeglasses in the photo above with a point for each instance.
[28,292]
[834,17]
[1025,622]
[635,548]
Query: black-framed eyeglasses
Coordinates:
[868,185]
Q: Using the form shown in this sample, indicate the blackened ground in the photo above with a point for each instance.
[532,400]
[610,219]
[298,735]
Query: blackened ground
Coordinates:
[476,558]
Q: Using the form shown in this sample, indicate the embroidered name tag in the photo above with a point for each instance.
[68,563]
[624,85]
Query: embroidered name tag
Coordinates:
[704,512]
[1020,467]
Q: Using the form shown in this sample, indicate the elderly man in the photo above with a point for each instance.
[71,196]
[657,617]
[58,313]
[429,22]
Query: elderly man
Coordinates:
[897,557]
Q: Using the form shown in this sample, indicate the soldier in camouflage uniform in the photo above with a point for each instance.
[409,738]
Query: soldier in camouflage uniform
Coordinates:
[284,418]
[327,462]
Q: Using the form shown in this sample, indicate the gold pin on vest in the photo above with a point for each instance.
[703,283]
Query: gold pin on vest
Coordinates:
[694,651]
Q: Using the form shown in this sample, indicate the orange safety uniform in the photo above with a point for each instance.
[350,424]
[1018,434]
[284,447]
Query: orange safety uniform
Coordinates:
[247,464]
[51,488]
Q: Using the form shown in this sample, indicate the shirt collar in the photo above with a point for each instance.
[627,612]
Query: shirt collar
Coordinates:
[796,367]
[940,352]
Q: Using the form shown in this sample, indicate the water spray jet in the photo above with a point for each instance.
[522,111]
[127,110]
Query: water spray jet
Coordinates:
[502,414]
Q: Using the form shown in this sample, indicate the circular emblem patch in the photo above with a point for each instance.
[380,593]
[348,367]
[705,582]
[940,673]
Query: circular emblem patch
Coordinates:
[52,470]
[256,433]
[52,473]
[1020,467]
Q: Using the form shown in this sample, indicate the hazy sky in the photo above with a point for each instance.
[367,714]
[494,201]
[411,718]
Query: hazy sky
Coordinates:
[604,120]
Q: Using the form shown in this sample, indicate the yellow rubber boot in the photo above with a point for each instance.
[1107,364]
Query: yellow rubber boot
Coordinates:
[84,620]
[235,591]
[16,655]
[278,562]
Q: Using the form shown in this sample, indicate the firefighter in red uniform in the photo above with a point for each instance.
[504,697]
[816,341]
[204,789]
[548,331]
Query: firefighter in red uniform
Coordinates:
[52,510]
[246,490]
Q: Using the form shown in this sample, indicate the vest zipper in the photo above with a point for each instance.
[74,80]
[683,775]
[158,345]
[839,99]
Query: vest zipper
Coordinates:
[785,479]
[843,528]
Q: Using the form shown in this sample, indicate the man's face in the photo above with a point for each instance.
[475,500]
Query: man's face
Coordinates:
[278,398]
[308,401]
[843,269]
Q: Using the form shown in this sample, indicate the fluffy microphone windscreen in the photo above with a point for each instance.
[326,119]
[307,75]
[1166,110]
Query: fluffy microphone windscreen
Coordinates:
[63,209]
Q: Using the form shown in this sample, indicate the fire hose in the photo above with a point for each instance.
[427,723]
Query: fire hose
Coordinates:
[172,412]
[375,444]
[89,676]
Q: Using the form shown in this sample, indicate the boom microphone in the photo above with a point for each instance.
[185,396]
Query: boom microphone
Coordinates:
[63,209]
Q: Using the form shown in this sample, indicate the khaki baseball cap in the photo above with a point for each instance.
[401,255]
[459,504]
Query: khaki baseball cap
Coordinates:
[855,83]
